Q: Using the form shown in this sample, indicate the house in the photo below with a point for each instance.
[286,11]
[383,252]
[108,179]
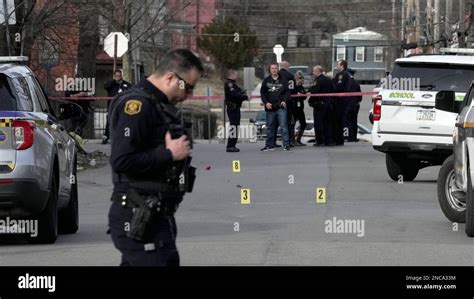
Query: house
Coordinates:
[365,52]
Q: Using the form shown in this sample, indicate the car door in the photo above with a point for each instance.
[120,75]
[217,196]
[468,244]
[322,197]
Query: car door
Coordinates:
[463,128]
[60,136]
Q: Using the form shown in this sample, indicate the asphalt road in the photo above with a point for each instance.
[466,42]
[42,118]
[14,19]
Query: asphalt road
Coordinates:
[283,225]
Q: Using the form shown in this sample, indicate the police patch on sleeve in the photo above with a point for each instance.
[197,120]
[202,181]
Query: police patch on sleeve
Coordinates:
[133,107]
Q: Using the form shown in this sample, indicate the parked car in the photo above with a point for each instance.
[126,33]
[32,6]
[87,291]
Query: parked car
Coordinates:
[260,121]
[308,78]
[363,133]
[37,155]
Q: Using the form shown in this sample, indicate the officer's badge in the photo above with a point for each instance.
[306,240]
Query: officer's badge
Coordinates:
[133,107]
[341,77]
[230,85]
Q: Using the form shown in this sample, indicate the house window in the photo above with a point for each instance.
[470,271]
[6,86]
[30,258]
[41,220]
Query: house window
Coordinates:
[341,53]
[360,54]
[378,54]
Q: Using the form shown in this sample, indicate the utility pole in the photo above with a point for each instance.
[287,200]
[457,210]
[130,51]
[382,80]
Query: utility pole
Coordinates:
[429,20]
[418,21]
[198,23]
[437,25]
[393,51]
[462,27]
[403,21]
[7,30]
[448,17]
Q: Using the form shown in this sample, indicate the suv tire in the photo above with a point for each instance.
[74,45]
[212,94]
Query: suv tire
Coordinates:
[450,205]
[398,166]
[48,218]
[69,217]
[469,206]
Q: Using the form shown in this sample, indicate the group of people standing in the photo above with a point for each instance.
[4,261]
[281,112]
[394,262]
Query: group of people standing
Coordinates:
[283,96]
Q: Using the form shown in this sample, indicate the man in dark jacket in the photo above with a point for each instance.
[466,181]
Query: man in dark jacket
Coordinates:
[352,109]
[113,88]
[322,107]
[342,82]
[275,94]
[234,96]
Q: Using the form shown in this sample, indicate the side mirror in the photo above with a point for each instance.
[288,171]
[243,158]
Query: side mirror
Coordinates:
[69,111]
[252,121]
[446,101]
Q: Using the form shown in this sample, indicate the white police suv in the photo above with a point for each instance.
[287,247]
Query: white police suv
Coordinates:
[407,127]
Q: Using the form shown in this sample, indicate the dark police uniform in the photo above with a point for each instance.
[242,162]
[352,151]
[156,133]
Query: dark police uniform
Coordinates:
[140,161]
[234,96]
[290,104]
[322,110]
[342,83]
[352,109]
[298,113]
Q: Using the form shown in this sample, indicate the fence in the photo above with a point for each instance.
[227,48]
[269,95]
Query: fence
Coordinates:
[204,119]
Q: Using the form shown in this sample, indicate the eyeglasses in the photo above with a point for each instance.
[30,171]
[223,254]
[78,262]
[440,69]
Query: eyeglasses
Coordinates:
[187,87]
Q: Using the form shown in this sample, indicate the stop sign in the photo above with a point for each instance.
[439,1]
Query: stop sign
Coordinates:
[122,44]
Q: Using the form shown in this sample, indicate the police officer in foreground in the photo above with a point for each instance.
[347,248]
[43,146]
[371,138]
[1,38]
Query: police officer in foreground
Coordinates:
[150,162]
[342,82]
[234,96]
[322,107]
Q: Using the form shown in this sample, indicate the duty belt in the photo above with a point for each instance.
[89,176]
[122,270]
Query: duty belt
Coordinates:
[121,199]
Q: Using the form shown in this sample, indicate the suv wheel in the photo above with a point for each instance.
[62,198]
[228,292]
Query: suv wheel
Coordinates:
[48,218]
[69,217]
[449,195]
[469,206]
[398,166]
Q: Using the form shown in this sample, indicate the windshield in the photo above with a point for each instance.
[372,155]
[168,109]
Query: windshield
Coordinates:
[435,76]
[304,70]
[7,100]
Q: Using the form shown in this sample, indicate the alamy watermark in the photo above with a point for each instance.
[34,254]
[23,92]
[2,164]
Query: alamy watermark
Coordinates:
[75,84]
[392,83]
[345,226]
[10,226]
[243,132]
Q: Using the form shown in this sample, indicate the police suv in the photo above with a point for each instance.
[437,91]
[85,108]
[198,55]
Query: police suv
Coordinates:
[407,127]
[37,155]
[455,192]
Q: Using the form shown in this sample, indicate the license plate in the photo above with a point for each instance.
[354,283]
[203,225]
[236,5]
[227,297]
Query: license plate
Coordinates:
[426,115]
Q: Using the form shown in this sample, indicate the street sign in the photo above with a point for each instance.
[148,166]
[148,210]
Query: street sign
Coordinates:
[10,12]
[278,50]
[122,44]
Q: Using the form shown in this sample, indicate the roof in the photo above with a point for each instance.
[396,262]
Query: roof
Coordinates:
[14,70]
[451,59]
[360,33]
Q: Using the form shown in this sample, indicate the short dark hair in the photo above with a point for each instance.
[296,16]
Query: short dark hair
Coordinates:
[343,63]
[273,63]
[180,61]
[118,71]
